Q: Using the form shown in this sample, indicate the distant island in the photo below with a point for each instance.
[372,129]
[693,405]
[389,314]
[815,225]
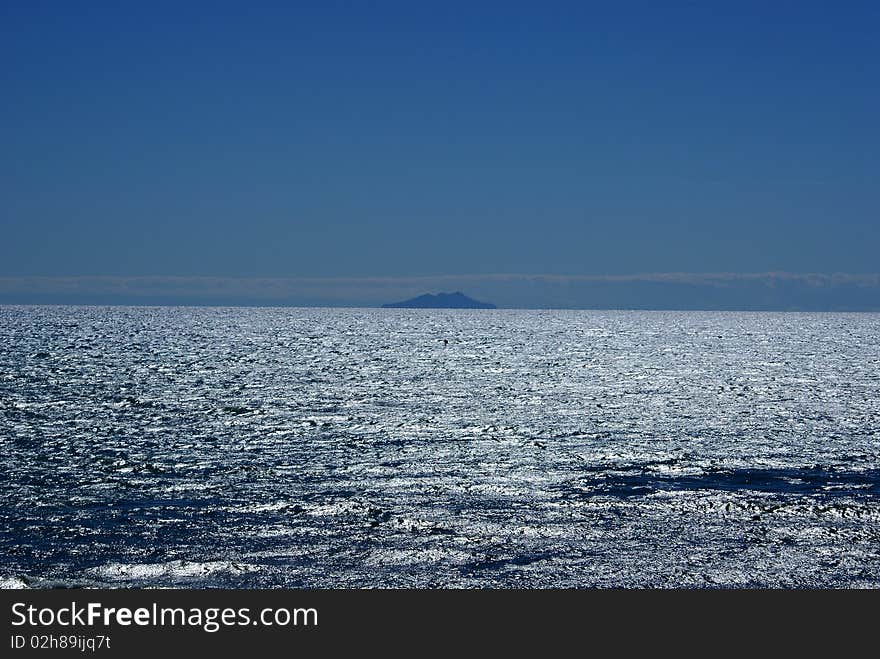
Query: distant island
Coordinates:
[455,300]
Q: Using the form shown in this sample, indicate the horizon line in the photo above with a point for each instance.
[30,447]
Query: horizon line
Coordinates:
[709,291]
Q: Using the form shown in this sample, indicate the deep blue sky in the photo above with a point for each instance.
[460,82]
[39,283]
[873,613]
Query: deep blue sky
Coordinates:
[415,138]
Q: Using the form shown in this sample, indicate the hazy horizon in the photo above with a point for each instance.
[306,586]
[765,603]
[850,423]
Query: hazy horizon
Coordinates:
[659,291]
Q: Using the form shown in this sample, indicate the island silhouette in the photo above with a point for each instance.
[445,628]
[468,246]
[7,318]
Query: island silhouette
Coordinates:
[457,300]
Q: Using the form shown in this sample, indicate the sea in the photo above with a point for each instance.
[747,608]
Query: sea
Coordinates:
[391,448]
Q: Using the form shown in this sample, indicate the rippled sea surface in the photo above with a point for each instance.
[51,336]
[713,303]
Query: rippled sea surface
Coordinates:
[203,447]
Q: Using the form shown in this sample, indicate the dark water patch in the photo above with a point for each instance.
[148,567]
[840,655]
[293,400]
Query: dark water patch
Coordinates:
[238,410]
[137,402]
[492,563]
[820,481]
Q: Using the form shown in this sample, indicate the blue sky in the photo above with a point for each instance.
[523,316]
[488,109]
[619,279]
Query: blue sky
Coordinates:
[423,139]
